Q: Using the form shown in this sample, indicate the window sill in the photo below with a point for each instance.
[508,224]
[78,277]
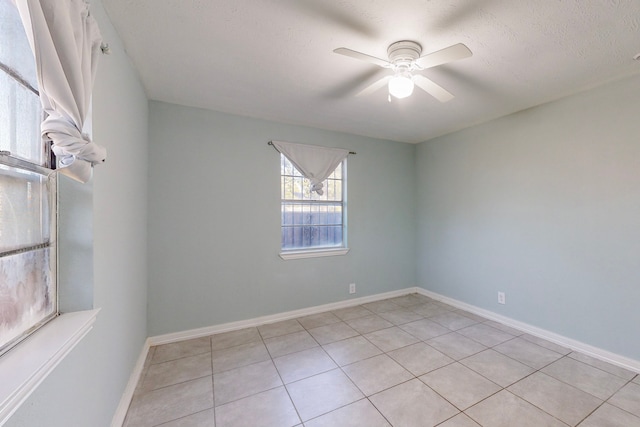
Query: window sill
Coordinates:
[312,253]
[24,367]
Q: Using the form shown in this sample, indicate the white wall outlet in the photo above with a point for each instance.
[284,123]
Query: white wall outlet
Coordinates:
[352,288]
[501,298]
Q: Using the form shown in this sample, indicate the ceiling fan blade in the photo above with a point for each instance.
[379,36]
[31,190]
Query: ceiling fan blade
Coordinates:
[442,56]
[374,86]
[432,89]
[363,57]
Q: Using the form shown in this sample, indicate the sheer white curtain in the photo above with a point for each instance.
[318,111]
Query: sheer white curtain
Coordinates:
[65,40]
[314,162]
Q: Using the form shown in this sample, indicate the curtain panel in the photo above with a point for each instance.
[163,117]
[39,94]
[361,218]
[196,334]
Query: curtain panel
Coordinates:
[313,162]
[65,41]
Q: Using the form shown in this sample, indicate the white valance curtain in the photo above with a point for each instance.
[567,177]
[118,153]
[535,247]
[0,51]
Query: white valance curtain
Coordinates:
[314,162]
[65,40]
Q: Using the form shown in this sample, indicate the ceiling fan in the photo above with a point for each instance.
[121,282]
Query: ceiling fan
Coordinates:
[404,60]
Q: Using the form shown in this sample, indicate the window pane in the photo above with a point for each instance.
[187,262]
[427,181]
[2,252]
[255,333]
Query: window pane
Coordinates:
[20,117]
[27,293]
[310,220]
[14,45]
[24,209]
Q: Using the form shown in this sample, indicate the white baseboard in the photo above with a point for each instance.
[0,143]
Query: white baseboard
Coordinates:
[127,395]
[598,353]
[257,321]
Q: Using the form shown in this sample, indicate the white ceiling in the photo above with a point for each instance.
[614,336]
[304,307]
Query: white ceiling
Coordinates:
[273,59]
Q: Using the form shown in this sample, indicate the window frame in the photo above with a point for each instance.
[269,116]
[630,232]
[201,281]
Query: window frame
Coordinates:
[42,164]
[27,363]
[315,251]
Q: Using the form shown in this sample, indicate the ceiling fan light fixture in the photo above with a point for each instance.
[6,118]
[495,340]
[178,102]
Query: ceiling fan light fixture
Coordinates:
[401,85]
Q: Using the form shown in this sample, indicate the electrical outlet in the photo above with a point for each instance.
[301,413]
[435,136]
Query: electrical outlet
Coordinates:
[352,288]
[501,298]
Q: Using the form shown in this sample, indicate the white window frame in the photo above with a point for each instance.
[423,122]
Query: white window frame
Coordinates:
[318,251]
[39,161]
[31,360]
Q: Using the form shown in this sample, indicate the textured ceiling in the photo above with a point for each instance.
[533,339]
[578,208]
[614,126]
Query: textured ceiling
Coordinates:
[273,59]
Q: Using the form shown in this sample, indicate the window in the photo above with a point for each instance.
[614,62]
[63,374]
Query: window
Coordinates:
[311,221]
[28,291]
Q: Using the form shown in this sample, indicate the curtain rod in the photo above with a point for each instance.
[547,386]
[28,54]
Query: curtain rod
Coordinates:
[271,143]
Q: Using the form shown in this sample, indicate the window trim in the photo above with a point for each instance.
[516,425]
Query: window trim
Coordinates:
[312,253]
[26,365]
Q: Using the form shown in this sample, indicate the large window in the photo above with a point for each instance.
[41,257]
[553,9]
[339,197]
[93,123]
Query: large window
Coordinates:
[311,220]
[28,296]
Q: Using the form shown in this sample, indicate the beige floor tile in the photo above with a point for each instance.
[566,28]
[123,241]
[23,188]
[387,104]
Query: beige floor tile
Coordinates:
[351,350]
[245,370]
[322,393]
[504,328]
[358,414]
[607,367]
[352,312]
[460,420]
[177,371]
[376,374]
[546,344]
[413,404]
[497,367]
[628,398]
[446,306]
[460,385]
[234,338]
[280,328]
[400,317]
[507,410]
[334,332]
[610,416]
[420,358]
[291,343]
[303,364]
[170,403]
[471,316]
[424,329]
[390,338]
[428,309]
[456,346]
[367,324]
[561,400]
[267,409]
[528,353]
[452,320]
[320,319]
[245,381]
[407,300]
[599,383]
[152,351]
[381,306]
[235,357]
[201,419]
[485,334]
[423,298]
[177,350]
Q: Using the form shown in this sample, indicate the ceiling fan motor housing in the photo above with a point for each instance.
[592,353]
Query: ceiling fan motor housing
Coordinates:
[404,52]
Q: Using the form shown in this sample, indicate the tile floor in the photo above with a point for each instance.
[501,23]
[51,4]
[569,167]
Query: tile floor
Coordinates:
[406,361]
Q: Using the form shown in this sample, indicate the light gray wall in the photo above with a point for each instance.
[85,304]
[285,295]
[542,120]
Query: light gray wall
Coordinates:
[545,206]
[214,222]
[85,389]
